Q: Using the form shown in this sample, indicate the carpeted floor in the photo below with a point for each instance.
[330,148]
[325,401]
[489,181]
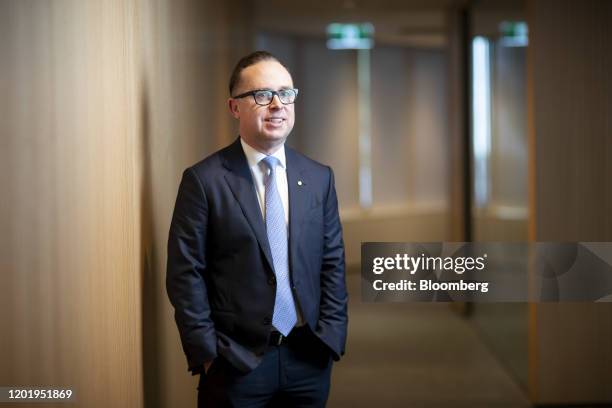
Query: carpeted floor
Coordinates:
[417,355]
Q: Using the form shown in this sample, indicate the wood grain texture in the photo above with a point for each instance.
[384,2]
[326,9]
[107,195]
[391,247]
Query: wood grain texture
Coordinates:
[571,192]
[70,245]
[104,103]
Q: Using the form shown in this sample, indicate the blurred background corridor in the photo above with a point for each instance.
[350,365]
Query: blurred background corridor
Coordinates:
[459,121]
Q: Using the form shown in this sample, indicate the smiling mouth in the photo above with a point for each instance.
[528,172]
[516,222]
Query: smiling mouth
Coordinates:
[276,121]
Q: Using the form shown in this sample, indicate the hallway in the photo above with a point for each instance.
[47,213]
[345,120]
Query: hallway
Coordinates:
[468,121]
[430,358]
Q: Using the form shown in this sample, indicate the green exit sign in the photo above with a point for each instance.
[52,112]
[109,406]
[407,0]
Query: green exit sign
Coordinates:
[514,34]
[342,36]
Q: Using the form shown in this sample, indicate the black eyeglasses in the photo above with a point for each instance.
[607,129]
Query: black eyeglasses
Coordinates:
[264,97]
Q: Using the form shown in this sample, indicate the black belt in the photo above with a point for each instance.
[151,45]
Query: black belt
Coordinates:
[277,338]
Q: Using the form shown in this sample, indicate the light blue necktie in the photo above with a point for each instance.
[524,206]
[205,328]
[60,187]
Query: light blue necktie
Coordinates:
[284,317]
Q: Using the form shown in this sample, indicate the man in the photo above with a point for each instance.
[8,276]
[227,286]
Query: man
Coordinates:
[256,257]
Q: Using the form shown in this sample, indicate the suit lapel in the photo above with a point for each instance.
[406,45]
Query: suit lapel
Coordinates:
[241,183]
[299,199]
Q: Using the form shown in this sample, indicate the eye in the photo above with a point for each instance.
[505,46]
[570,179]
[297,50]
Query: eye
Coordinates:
[263,94]
[286,95]
[263,97]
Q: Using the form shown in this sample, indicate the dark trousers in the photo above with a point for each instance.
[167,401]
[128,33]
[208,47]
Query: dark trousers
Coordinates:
[294,374]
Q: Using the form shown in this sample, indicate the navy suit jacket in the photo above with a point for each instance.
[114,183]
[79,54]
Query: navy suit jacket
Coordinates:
[220,277]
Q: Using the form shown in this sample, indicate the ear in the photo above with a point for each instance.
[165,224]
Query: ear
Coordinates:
[232,104]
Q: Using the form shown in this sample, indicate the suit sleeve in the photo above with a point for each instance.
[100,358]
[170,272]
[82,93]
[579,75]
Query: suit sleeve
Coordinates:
[185,282]
[333,317]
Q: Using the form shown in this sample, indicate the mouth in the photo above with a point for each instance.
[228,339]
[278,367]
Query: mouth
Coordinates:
[274,120]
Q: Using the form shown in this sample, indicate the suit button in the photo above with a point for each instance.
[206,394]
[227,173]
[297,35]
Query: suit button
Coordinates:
[271,280]
[267,320]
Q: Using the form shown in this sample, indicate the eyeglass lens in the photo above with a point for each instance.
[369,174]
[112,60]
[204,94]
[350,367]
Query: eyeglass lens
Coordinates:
[265,97]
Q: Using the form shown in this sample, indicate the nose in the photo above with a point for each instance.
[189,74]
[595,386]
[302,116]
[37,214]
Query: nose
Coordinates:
[276,103]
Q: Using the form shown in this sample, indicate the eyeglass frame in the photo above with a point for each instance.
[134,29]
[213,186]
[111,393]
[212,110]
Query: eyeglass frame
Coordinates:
[253,92]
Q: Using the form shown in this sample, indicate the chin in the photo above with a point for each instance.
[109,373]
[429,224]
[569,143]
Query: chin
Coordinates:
[275,137]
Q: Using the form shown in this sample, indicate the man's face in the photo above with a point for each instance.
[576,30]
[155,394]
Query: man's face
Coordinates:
[263,127]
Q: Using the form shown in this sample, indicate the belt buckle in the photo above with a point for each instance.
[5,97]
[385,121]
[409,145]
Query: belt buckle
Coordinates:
[276,338]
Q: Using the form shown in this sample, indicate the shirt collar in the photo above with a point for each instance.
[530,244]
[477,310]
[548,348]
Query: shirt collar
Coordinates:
[254,156]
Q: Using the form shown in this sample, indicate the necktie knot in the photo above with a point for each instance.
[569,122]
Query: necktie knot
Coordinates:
[271,162]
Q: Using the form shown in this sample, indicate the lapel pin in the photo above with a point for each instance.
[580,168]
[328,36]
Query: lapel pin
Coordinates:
[300,182]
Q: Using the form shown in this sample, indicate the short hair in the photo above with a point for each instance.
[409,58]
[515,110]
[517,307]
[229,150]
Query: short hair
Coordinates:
[246,61]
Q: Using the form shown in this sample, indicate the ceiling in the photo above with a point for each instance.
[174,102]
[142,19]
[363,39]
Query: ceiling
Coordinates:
[411,23]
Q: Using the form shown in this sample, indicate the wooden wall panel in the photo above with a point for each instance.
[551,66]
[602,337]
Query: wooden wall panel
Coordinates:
[70,216]
[102,105]
[570,100]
